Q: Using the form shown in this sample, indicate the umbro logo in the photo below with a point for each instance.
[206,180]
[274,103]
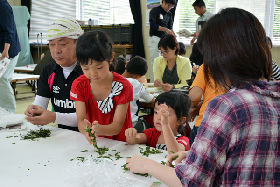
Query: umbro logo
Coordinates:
[56,89]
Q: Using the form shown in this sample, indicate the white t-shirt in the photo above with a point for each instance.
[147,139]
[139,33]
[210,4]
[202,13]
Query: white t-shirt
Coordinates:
[139,91]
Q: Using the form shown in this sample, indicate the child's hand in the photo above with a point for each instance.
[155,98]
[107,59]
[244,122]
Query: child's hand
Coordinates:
[131,133]
[93,127]
[164,114]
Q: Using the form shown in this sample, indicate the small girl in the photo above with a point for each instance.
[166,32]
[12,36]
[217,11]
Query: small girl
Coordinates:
[170,123]
[101,97]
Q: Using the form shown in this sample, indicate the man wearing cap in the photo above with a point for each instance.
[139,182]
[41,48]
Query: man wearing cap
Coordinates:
[57,77]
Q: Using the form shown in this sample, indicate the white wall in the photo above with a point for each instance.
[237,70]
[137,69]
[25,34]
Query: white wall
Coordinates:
[14,2]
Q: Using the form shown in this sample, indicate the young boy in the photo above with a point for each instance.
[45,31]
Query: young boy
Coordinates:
[136,68]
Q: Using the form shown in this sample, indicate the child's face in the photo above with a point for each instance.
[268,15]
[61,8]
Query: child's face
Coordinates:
[96,71]
[173,122]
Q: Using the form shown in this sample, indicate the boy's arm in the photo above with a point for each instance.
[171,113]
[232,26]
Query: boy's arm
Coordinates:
[146,95]
[116,126]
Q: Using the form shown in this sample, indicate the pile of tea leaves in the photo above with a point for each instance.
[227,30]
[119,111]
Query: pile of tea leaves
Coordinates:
[34,134]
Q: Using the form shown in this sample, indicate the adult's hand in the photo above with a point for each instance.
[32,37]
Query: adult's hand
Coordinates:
[138,164]
[30,110]
[195,68]
[168,31]
[181,155]
[167,87]
[195,35]
[4,54]
[157,83]
[44,116]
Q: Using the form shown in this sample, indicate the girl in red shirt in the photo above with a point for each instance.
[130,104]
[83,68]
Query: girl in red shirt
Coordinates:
[101,97]
[171,114]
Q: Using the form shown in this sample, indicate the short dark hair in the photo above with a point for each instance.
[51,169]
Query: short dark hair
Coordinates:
[95,45]
[120,67]
[137,66]
[172,2]
[170,41]
[182,49]
[269,42]
[239,53]
[196,56]
[180,102]
[199,3]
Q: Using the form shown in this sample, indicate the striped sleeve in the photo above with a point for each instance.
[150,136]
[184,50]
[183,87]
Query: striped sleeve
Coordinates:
[275,71]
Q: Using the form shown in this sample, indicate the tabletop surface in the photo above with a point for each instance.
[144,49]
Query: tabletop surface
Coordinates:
[18,76]
[27,68]
[47,162]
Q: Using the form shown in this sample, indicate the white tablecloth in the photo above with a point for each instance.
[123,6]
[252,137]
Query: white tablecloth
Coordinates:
[46,162]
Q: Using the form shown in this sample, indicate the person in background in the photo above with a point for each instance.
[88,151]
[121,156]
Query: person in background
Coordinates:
[204,15]
[275,67]
[200,94]
[170,123]
[196,59]
[46,58]
[136,68]
[238,140]
[57,77]
[161,23]
[182,49]
[9,48]
[171,70]
[120,66]
[102,97]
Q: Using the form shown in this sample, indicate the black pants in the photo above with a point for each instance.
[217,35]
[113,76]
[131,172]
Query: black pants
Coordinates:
[193,135]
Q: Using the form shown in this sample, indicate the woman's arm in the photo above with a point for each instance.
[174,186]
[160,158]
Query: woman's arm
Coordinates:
[156,69]
[165,174]
[116,126]
[186,74]
[195,95]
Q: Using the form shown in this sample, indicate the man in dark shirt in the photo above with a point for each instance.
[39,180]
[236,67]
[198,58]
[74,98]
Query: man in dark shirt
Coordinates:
[161,23]
[57,77]
[9,48]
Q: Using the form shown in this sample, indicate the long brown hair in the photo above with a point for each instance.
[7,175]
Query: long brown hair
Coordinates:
[235,49]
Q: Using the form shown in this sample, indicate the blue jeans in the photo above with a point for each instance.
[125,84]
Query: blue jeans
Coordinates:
[193,135]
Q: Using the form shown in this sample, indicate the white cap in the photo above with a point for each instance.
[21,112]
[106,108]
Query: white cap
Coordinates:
[64,27]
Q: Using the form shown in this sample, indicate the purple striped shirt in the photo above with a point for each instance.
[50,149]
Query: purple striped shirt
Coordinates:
[238,140]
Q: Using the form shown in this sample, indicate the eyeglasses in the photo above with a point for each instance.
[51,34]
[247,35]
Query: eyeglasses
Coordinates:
[164,52]
[170,6]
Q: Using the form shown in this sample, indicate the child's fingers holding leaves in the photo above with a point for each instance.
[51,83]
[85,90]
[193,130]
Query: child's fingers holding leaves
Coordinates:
[94,128]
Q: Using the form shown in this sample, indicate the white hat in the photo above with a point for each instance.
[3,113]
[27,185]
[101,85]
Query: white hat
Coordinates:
[64,27]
